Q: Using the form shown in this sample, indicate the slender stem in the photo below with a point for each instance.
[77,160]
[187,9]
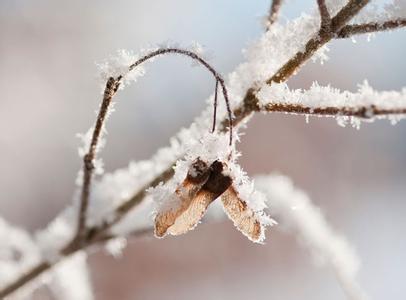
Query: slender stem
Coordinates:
[215,107]
[274,12]
[324,14]
[351,9]
[25,278]
[112,86]
[122,210]
[68,250]
[364,112]
[196,57]
[350,30]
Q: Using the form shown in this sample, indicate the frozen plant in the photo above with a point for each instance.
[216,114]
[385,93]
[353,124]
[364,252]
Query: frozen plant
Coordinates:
[172,191]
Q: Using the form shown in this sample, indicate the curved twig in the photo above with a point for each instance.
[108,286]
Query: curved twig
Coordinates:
[196,57]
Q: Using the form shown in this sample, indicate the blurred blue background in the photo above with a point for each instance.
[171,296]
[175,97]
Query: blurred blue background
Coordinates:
[49,92]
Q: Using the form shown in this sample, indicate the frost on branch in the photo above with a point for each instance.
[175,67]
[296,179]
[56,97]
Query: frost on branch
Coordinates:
[118,65]
[395,10]
[334,6]
[85,139]
[272,51]
[365,104]
[295,212]
[56,235]
[208,172]
[18,252]
[71,279]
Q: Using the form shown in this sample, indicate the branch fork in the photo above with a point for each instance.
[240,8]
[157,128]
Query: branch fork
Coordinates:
[330,27]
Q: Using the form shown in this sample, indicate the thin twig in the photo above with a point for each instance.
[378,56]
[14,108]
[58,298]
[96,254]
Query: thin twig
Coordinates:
[350,30]
[363,112]
[351,9]
[274,12]
[196,57]
[215,106]
[324,15]
[25,278]
[315,43]
[112,86]
[70,249]
[122,210]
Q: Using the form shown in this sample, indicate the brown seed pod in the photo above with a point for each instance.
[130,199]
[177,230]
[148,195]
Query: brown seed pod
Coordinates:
[202,185]
[242,216]
[186,193]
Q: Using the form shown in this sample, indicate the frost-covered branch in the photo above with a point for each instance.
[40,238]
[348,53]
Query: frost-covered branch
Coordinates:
[355,29]
[318,41]
[41,267]
[112,86]
[363,112]
[275,58]
[366,103]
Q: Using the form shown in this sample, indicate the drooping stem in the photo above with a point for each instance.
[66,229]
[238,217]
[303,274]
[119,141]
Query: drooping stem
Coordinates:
[203,62]
[215,107]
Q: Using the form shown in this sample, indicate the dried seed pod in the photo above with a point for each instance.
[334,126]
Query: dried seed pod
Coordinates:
[243,217]
[197,176]
[215,185]
[201,187]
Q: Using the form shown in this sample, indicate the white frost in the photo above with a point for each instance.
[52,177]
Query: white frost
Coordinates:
[209,148]
[18,252]
[375,12]
[57,234]
[270,52]
[293,210]
[71,279]
[118,65]
[116,246]
[326,96]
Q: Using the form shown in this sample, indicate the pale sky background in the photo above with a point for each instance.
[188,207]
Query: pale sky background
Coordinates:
[49,92]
